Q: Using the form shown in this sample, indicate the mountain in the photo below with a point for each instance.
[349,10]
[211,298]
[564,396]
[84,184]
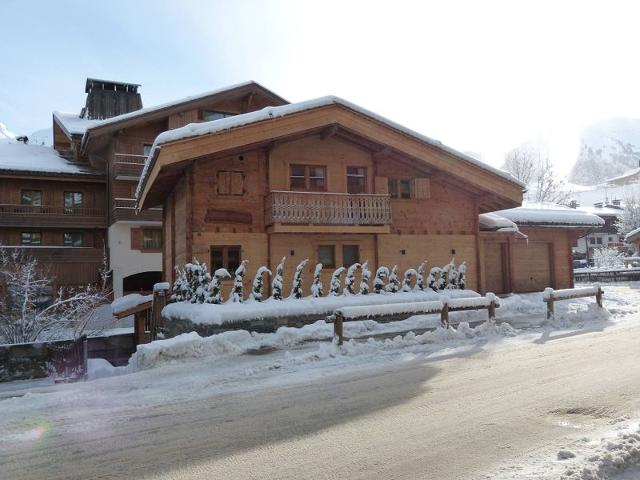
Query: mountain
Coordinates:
[607,149]
[5,133]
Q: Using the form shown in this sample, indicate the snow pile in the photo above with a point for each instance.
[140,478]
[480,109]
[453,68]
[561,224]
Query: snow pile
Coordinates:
[126,302]
[18,156]
[550,214]
[570,292]
[496,223]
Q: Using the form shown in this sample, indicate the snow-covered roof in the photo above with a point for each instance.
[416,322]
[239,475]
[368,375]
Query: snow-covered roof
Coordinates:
[605,211]
[16,156]
[632,235]
[73,124]
[268,113]
[629,173]
[496,223]
[550,214]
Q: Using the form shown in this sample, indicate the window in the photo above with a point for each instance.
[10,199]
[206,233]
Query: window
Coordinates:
[151,239]
[599,240]
[399,188]
[227,256]
[146,149]
[30,238]
[592,241]
[73,199]
[230,183]
[356,180]
[72,239]
[31,197]
[308,177]
[327,255]
[210,115]
[350,255]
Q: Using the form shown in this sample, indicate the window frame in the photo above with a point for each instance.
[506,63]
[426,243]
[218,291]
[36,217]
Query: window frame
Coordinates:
[73,193]
[31,233]
[225,257]
[333,250]
[307,177]
[365,177]
[144,149]
[156,231]
[358,256]
[224,114]
[397,194]
[31,190]
[64,240]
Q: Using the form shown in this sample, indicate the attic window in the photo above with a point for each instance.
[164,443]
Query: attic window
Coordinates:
[210,115]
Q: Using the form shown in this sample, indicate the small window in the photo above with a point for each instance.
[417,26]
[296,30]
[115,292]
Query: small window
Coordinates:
[146,149]
[210,115]
[31,197]
[599,240]
[72,239]
[356,180]
[30,238]
[151,239]
[73,199]
[350,255]
[308,178]
[227,256]
[230,183]
[592,241]
[327,255]
[399,188]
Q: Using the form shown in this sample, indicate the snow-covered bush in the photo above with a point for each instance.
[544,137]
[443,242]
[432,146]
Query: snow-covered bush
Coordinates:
[433,280]
[350,280]
[257,287]
[364,278]
[335,287]
[237,294]
[406,282]
[420,281]
[213,292]
[607,258]
[462,276]
[276,283]
[394,285]
[378,281]
[316,286]
[181,291]
[452,277]
[296,288]
[198,278]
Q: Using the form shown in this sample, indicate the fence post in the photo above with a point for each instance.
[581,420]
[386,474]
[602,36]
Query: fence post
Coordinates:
[492,309]
[159,302]
[337,327]
[138,327]
[85,357]
[550,304]
[599,296]
[444,315]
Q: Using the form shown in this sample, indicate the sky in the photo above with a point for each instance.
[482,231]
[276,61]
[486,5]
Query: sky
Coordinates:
[482,77]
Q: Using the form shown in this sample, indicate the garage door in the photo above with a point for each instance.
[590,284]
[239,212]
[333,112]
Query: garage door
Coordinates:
[494,268]
[532,265]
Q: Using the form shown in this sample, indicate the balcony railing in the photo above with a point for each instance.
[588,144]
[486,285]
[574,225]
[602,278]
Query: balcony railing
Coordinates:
[13,215]
[49,253]
[128,166]
[313,208]
[124,209]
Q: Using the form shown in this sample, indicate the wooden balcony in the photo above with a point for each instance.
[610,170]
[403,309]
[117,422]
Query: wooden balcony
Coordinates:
[60,254]
[287,211]
[124,210]
[13,215]
[127,166]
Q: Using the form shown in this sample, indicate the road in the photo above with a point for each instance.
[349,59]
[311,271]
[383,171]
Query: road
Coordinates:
[457,417]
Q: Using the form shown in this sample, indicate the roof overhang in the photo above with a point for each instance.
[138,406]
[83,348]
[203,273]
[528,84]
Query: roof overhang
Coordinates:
[170,157]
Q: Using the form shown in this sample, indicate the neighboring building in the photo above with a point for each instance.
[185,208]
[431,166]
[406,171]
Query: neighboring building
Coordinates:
[633,238]
[604,236]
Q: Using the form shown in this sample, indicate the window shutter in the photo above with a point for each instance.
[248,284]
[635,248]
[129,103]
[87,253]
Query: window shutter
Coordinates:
[136,239]
[421,188]
[224,183]
[237,183]
[381,185]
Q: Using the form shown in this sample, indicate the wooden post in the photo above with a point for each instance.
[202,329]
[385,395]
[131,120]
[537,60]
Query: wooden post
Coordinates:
[159,302]
[138,327]
[444,315]
[492,310]
[85,357]
[337,327]
[550,307]
[599,297]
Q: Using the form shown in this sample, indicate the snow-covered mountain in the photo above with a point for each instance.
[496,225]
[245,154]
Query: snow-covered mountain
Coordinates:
[608,149]
[5,133]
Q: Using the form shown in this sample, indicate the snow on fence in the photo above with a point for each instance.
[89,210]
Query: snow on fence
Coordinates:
[551,296]
[389,311]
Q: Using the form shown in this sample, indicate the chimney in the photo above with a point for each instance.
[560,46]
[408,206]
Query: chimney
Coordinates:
[106,99]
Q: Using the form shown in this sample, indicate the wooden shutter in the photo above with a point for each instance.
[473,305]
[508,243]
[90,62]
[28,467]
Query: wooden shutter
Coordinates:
[381,185]
[237,183]
[421,188]
[224,183]
[136,239]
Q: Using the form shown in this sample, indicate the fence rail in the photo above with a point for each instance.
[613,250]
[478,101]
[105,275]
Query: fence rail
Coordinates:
[125,209]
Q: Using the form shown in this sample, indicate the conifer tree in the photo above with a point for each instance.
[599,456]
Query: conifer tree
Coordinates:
[364,278]
[276,283]
[257,287]
[406,282]
[181,291]
[335,287]
[378,281]
[296,288]
[420,280]
[237,294]
[316,286]
[198,278]
[462,276]
[394,285]
[433,279]
[350,280]
[214,289]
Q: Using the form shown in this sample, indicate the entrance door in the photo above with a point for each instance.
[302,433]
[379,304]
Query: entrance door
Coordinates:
[495,268]
[532,265]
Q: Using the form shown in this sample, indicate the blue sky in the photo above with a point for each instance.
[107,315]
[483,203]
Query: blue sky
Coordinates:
[480,76]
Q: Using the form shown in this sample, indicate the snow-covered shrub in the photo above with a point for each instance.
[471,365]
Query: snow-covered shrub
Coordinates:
[364,278]
[296,288]
[213,292]
[198,278]
[378,281]
[443,278]
[394,284]
[420,281]
[316,286]
[237,294]
[257,287]
[276,283]
[452,277]
[462,276]
[350,280]
[406,282]
[433,280]
[181,292]
[335,287]
[607,258]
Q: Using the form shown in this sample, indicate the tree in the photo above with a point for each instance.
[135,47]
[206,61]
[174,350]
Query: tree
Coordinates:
[378,281]
[364,278]
[213,293]
[258,283]
[433,279]
[607,258]
[350,280]
[197,278]
[335,286]
[394,285]
[420,285]
[316,286]
[27,313]
[296,289]
[462,276]
[237,294]
[276,283]
[630,218]
[181,291]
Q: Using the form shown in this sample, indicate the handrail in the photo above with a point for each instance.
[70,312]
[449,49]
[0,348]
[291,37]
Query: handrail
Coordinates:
[17,209]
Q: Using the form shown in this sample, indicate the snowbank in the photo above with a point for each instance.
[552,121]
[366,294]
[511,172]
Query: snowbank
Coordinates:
[494,222]
[251,310]
[126,302]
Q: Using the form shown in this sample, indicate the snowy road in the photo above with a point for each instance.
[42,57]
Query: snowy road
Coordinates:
[461,414]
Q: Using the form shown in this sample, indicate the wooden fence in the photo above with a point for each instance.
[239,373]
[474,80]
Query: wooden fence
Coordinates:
[551,296]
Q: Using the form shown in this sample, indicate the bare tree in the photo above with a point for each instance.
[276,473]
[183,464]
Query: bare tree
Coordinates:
[27,313]
[532,166]
[630,218]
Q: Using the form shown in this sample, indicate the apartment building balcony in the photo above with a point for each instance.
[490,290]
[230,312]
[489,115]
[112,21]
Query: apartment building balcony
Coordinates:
[14,215]
[127,166]
[287,211]
[124,210]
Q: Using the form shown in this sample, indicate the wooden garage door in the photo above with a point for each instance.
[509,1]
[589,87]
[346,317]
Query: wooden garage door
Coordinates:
[532,265]
[494,268]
